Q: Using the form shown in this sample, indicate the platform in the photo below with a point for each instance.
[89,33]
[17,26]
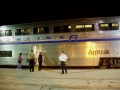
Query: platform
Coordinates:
[51,79]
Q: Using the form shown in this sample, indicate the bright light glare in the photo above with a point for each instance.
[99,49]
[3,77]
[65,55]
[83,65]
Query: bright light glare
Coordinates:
[6,39]
[3,28]
[69,27]
[100,31]
[89,46]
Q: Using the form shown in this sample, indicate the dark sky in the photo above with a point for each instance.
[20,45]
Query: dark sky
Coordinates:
[35,12]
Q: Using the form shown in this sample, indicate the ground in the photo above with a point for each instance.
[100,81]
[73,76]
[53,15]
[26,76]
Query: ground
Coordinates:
[51,79]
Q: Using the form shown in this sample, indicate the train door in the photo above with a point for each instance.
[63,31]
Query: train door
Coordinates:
[37,48]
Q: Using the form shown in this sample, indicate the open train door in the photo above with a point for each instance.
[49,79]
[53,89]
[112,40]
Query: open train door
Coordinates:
[37,48]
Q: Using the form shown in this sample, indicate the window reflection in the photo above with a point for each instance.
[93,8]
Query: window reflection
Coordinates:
[5,53]
[8,33]
[62,29]
[22,31]
[41,30]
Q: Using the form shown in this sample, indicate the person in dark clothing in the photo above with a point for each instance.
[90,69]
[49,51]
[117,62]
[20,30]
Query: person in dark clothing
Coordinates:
[40,59]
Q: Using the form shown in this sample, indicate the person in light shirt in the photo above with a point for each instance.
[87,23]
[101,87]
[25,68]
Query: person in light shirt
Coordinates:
[36,58]
[63,58]
[31,58]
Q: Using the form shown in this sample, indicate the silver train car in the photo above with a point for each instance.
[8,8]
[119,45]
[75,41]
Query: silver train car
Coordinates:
[88,42]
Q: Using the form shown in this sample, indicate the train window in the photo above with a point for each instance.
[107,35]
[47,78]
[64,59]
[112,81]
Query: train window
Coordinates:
[25,31]
[89,27]
[2,33]
[109,26]
[18,32]
[113,26]
[79,28]
[41,30]
[8,33]
[57,29]
[22,31]
[46,30]
[62,29]
[67,28]
[5,53]
[86,27]
[104,26]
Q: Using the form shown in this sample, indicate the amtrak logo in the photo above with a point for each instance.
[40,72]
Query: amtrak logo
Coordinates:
[96,52]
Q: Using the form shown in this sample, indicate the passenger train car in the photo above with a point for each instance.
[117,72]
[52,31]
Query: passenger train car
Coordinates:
[88,42]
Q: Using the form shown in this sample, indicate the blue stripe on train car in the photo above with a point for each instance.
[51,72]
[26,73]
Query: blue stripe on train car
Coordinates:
[59,41]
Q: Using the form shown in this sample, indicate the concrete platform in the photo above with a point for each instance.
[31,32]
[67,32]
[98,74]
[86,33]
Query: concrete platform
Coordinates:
[51,79]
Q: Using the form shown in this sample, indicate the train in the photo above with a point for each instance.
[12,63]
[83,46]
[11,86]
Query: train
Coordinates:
[88,42]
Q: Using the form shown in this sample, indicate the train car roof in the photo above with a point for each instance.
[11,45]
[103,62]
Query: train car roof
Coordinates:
[65,20]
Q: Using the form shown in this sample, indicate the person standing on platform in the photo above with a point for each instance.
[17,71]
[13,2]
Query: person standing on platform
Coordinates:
[19,61]
[63,58]
[40,60]
[31,57]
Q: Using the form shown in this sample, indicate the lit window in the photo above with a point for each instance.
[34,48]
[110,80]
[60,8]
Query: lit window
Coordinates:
[41,30]
[104,25]
[69,27]
[114,24]
[88,26]
[79,26]
[109,26]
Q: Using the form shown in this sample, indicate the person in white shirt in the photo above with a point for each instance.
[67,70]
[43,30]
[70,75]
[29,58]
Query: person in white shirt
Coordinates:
[63,58]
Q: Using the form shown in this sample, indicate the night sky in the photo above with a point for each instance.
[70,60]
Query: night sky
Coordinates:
[36,12]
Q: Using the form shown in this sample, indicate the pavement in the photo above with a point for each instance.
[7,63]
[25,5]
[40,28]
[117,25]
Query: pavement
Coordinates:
[52,79]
